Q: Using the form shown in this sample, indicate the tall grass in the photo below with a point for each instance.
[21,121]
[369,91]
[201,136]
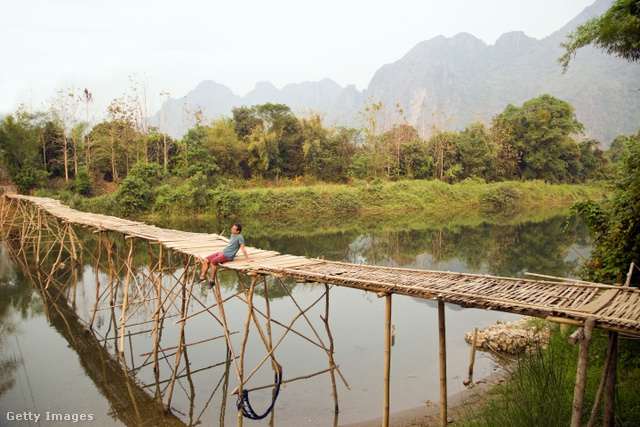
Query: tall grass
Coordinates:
[539,390]
[194,198]
[380,195]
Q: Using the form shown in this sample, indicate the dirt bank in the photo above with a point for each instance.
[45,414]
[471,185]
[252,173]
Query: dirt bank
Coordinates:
[429,415]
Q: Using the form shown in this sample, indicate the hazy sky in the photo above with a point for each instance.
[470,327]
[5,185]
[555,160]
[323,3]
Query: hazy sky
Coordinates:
[173,45]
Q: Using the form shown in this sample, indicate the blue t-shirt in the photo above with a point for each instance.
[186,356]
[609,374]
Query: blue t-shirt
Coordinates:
[233,246]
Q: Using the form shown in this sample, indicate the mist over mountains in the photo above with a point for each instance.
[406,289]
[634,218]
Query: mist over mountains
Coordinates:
[460,78]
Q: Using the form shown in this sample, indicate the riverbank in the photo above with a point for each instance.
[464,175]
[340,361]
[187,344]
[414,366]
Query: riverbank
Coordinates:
[501,337]
[428,415]
[406,195]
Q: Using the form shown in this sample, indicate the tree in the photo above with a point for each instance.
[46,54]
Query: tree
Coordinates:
[395,141]
[619,147]
[441,145]
[20,153]
[380,142]
[326,152]
[476,152]
[614,224]
[245,121]
[223,144]
[592,162]
[616,32]
[416,161]
[87,98]
[539,132]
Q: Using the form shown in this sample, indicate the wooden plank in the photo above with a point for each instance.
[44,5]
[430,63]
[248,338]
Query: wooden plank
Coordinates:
[599,303]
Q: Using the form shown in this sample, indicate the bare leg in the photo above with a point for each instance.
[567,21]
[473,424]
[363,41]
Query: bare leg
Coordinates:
[205,267]
[214,268]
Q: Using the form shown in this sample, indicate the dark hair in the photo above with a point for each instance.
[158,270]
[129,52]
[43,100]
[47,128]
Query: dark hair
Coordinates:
[238,227]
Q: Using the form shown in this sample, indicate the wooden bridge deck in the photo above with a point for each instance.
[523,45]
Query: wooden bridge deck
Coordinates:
[615,308]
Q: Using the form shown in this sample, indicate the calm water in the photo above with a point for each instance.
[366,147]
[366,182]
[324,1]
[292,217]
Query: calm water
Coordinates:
[51,365]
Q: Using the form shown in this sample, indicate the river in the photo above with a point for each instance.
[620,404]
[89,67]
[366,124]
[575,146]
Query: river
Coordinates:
[54,368]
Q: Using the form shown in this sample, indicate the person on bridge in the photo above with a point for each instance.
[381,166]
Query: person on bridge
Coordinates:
[236,242]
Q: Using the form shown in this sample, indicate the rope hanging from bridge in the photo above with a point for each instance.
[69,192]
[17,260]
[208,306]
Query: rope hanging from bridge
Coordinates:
[244,403]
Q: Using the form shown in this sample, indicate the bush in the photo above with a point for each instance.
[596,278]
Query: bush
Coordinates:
[343,202]
[172,199]
[501,198]
[225,201]
[136,194]
[104,204]
[83,184]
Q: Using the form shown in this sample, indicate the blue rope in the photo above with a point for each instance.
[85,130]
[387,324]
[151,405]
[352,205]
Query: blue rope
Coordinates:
[248,411]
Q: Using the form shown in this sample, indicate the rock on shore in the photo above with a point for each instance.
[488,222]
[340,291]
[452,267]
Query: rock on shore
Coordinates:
[511,337]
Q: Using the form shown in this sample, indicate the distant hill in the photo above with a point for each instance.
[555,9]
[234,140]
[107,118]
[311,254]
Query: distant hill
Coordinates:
[463,78]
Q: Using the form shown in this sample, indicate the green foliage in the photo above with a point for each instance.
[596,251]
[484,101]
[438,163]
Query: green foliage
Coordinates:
[83,184]
[196,155]
[193,195]
[225,201]
[537,392]
[616,32]
[172,200]
[540,131]
[137,193]
[476,152]
[503,197]
[20,154]
[540,386]
[615,224]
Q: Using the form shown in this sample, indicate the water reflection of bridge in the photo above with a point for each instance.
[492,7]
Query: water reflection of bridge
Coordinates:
[589,305]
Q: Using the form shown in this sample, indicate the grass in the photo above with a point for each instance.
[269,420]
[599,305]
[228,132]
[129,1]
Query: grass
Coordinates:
[539,391]
[379,196]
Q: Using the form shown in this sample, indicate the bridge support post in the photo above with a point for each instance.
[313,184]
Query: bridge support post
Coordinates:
[387,361]
[443,363]
[581,375]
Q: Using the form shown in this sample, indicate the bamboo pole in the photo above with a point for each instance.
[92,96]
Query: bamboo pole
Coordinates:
[581,375]
[472,357]
[332,363]
[39,237]
[387,360]
[443,363]
[628,281]
[181,340]
[243,346]
[603,380]
[610,388]
[156,338]
[97,280]
[125,299]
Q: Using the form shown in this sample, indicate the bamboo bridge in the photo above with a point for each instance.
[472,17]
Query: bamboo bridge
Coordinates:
[588,305]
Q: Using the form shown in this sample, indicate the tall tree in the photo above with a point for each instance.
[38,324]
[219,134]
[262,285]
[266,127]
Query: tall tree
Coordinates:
[223,144]
[245,121]
[540,132]
[616,32]
[87,98]
[476,152]
[614,224]
[379,120]
[20,152]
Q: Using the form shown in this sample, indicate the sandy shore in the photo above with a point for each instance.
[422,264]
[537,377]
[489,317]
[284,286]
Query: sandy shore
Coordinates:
[430,415]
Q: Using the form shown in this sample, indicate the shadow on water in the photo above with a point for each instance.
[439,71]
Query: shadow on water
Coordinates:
[128,391]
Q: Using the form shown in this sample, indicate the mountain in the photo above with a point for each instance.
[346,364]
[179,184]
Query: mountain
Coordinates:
[461,78]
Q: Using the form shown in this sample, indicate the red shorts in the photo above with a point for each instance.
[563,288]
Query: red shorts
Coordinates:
[217,258]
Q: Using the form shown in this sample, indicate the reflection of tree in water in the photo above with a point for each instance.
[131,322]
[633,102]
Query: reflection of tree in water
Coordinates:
[16,298]
[508,250]
[275,289]
[539,248]
[496,249]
